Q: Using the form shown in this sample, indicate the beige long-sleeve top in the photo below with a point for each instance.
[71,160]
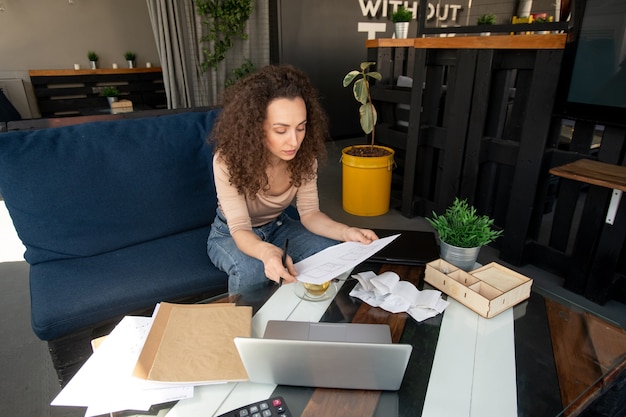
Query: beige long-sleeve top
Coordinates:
[243,213]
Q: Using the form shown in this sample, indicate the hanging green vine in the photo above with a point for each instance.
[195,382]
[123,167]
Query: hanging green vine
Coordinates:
[238,73]
[225,20]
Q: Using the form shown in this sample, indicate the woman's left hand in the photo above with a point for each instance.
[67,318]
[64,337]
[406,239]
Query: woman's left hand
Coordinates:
[354,234]
[320,224]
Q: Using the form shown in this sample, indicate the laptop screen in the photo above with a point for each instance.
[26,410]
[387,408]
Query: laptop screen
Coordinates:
[412,247]
[328,332]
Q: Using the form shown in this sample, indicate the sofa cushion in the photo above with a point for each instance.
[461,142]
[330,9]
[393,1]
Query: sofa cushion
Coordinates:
[72,294]
[88,189]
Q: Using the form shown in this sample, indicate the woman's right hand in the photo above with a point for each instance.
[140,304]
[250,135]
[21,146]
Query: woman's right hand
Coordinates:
[271,256]
[272,259]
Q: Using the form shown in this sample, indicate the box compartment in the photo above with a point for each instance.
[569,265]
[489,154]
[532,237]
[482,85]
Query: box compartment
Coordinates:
[488,290]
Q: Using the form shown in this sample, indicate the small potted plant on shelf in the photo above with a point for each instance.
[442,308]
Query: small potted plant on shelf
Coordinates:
[130,58]
[486,19]
[93,59]
[366,168]
[542,18]
[111,93]
[462,232]
[401,18]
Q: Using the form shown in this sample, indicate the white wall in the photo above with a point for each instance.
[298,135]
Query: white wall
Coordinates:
[54,34]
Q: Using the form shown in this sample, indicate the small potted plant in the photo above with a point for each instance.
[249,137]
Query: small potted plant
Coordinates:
[462,232]
[484,20]
[93,59]
[401,18]
[130,58]
[542,18]
[111,93]
[366,171]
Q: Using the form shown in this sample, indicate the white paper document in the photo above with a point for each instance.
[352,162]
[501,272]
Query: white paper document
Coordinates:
[105,384]
[389,293]
[335,260]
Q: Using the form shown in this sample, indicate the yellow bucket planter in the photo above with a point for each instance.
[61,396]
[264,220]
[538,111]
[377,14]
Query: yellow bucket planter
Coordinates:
[366,182]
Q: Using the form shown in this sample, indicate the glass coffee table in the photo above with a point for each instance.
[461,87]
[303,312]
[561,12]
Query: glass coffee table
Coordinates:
[564,357]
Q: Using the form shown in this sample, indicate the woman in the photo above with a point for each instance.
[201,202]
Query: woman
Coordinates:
[268,138]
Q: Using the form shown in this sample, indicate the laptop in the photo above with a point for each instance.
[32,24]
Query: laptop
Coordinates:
[327,332]
[325,355]
[412,247]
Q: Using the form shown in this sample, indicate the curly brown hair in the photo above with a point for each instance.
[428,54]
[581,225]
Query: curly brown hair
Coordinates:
[239,136]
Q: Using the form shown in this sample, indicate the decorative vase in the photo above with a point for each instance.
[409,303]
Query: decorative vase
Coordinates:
[94,65]
[463,258]
[112,100]
[401,29]
[131,63]
[366,182]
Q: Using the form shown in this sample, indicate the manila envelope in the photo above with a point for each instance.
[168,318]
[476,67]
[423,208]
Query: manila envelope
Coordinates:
[193,343]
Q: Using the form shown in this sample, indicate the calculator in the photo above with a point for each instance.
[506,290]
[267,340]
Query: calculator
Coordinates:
[272,407]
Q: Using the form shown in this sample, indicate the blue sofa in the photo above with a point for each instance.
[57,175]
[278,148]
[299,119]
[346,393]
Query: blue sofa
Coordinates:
[114,216]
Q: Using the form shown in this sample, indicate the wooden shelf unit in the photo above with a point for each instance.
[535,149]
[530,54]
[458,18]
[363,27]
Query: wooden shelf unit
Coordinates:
[67,92]
[476,129]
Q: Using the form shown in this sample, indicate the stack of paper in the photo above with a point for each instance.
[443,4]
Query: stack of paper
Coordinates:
[389,293]
[154,360]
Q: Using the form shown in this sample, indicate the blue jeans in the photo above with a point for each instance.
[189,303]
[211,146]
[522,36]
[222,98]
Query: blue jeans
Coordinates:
[244,270]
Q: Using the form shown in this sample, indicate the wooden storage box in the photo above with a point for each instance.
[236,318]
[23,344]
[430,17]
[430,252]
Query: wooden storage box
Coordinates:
[488,290]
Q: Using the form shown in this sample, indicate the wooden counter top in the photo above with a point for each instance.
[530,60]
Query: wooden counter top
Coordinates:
[593,172]
[99,71]
[550,41]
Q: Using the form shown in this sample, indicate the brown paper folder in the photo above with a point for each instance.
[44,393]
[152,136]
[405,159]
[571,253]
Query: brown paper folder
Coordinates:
[193,343]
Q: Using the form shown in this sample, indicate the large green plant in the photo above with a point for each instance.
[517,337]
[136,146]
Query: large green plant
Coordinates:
[225,21]
[461,226]
[361,90]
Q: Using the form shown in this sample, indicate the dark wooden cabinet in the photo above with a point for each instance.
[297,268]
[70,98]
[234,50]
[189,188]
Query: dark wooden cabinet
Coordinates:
[78,92]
